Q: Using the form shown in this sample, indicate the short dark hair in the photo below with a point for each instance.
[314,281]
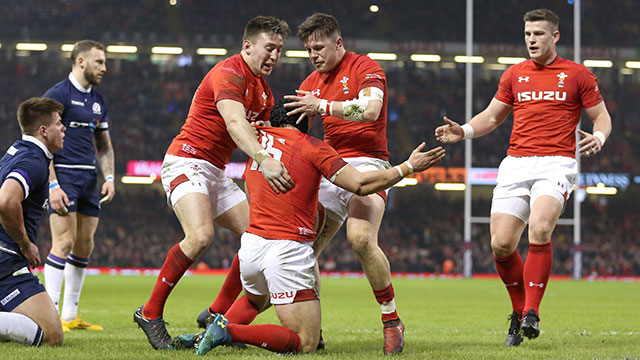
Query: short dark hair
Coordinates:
[83,46]
[279,117]
[269,25]
[318,24]
[34,112]
[542,15]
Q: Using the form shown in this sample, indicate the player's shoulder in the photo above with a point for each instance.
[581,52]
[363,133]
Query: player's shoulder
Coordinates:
[362,60]
[59,90]
[572,65]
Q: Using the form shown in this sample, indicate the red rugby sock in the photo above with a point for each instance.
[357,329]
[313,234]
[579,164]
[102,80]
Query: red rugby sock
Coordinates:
[241,312]
[230,290]
[171,272]
[536,274]
[271,337]
[384,296]
[510,268]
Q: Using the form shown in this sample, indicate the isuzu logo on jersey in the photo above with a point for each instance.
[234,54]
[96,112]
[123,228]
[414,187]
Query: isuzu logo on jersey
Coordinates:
[561,77]
[97,109]
[344,82]
[542,95]
[523,78]
[283,295]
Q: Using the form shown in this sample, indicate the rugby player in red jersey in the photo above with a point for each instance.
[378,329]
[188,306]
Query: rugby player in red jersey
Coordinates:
[547,94]
[231,96]
[277,259]
[350,92]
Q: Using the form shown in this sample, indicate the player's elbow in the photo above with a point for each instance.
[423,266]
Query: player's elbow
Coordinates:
[371,113]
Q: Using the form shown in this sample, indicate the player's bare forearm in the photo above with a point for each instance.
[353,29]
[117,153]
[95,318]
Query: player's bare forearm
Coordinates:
[490,118]
[601,119]
[52,172]
[238,127]
[369,112]
[105,156]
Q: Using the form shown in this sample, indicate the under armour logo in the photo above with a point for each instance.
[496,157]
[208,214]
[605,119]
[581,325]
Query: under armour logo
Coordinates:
[166,282]
[532,284]
[512,284]
[221,324]
[264,345]
[523,79]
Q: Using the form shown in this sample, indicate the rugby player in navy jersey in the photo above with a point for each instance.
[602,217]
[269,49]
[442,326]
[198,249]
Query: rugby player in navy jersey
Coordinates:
[74,202]
[27,314]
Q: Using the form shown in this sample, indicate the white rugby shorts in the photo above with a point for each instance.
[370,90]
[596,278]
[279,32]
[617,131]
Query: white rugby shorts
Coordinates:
[182,176]
[282,269]
[335,199]
[521,180]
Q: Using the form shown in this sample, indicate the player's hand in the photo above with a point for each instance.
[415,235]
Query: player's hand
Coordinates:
[277,175]
[449,133]
[58,200]
[108,191]
[32,254]
[255,124]
[304,103]
[590,145]
[421,161]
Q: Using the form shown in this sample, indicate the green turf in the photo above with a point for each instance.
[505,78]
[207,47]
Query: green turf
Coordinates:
[445,319]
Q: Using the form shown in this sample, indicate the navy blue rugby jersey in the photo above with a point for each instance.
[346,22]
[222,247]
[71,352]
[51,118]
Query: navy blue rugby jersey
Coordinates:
[85,112]
[26,161]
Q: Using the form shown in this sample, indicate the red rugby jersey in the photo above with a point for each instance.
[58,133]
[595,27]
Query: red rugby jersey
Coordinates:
[547,101]
[351,138]
[204,134]
[289,216]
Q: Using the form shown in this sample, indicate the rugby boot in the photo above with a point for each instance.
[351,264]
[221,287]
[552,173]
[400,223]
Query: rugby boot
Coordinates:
[393,336]
[514,338]
[155,329]
[79,324]
[215,335]
[529,325]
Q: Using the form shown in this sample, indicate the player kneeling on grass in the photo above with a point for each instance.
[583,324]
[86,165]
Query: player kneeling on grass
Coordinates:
[27,314]
[276,254]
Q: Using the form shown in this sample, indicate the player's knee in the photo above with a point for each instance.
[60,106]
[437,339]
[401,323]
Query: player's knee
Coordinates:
[540,233]
[200,239]
[361,243]
[502,246]
[53,337]
[63,244]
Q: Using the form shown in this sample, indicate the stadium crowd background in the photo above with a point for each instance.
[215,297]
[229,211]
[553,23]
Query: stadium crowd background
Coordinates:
[423,228]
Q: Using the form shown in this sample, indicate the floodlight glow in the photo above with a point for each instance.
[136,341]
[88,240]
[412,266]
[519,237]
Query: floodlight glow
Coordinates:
[31,46]
[425,57]
[122,49]
[296,53]
[211,51]
[468,59]
[166,50]
[598,63]
[139,180]
[600,189]
[450,186]
[374,8]
[499,67]
[632,64]
[66,47]
[406,182]
[510,60]
[382,56]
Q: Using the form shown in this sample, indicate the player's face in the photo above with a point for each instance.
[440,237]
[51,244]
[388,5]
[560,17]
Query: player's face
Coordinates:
[541,39]
[54,133]
[324,52]
[95,66]
[263,52]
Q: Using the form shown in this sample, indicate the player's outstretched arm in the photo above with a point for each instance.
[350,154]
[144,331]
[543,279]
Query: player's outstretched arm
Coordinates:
[365,183]
[106,162]
[483,123]
[11,195]
[243,135]
[591,144]
[365,108]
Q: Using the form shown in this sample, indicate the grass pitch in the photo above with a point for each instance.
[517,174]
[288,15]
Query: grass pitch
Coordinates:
[445,319]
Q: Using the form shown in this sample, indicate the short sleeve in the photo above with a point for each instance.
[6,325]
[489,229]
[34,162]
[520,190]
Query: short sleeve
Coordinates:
[371,74]
[324,157]
[228,83]
[505,93]
[588,87]
[29,175]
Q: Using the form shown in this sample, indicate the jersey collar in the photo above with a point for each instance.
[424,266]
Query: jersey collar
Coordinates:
[77,85]
[33,139]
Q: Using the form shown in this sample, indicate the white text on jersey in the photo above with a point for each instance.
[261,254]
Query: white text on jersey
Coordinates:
[542,95]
